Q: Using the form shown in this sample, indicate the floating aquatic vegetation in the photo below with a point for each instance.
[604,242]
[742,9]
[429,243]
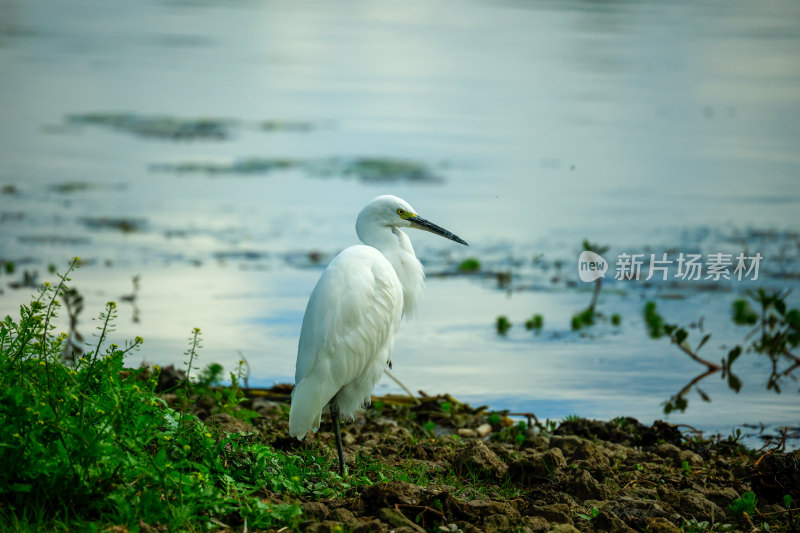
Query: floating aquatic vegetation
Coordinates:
[57,240]
[239,255]
[383,169]
[311,259]
[502,325]
[125,225]
[11,216]
[277,125]
[470,264]
[370,169]
[168,127]
[164,127]
[242,166]
[535,322]
[69,187]
[583,319]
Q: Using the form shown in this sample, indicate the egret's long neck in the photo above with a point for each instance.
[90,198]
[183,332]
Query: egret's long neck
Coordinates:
[395,245]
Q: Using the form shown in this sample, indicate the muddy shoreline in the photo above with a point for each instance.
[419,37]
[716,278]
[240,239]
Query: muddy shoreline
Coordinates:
[440,465]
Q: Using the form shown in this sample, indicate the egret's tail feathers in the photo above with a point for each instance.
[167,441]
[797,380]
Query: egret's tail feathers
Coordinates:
[308,399]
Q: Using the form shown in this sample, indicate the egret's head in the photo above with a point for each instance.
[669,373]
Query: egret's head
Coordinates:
[395,212]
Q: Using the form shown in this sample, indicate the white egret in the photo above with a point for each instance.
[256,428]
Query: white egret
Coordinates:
[353,315]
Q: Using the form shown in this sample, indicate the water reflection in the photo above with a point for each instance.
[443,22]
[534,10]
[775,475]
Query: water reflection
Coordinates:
[644,126]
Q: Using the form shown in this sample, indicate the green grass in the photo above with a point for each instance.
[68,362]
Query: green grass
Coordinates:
[91,443]
[93,446]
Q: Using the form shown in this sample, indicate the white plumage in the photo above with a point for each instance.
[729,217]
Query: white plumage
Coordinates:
[353,315]
[343,348]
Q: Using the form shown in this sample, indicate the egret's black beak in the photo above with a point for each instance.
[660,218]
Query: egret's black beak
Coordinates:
[421,223]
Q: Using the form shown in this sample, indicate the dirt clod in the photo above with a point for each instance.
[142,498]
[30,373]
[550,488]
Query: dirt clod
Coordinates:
[476,457]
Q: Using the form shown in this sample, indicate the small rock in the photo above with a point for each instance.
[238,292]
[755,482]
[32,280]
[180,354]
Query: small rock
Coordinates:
[497,522]
[662,525]
[722,496]
[690,457]
[584,487]
[478,458]
[554,512]
[389,494]
[644,492]
[597,504]
[564,528]
[370,526]
[484,430]
[578,449]
[635,512]
[531,466]
[672,453]
[567,444]
[467,433]
[697,506]
[503,450]
[396,519]
[536,442]
[315,509]
[345,516]
[670,495]
[610,522]
[481,508]
[536,524]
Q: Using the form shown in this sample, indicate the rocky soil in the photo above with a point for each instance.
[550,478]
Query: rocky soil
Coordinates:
[474,470]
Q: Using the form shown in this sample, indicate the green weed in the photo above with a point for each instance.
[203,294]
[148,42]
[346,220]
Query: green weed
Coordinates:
[90,441]
[583,319]
[744,504]
[743,314]
[502,325]
[469,265]
[535,322]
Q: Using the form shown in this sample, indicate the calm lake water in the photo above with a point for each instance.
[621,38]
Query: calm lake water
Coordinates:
[524,127]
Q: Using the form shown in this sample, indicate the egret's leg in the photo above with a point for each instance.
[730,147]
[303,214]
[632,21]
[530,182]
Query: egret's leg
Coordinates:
[338,433]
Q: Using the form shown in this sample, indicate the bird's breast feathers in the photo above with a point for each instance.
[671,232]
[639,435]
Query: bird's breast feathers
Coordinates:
[352,314]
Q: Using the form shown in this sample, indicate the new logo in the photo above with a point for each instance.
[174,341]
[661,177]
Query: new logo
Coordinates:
[591,266]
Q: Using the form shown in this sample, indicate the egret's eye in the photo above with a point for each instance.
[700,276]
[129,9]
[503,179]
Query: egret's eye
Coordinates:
[401,212]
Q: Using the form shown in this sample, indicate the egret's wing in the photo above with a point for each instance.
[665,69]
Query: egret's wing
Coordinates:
[352,314]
